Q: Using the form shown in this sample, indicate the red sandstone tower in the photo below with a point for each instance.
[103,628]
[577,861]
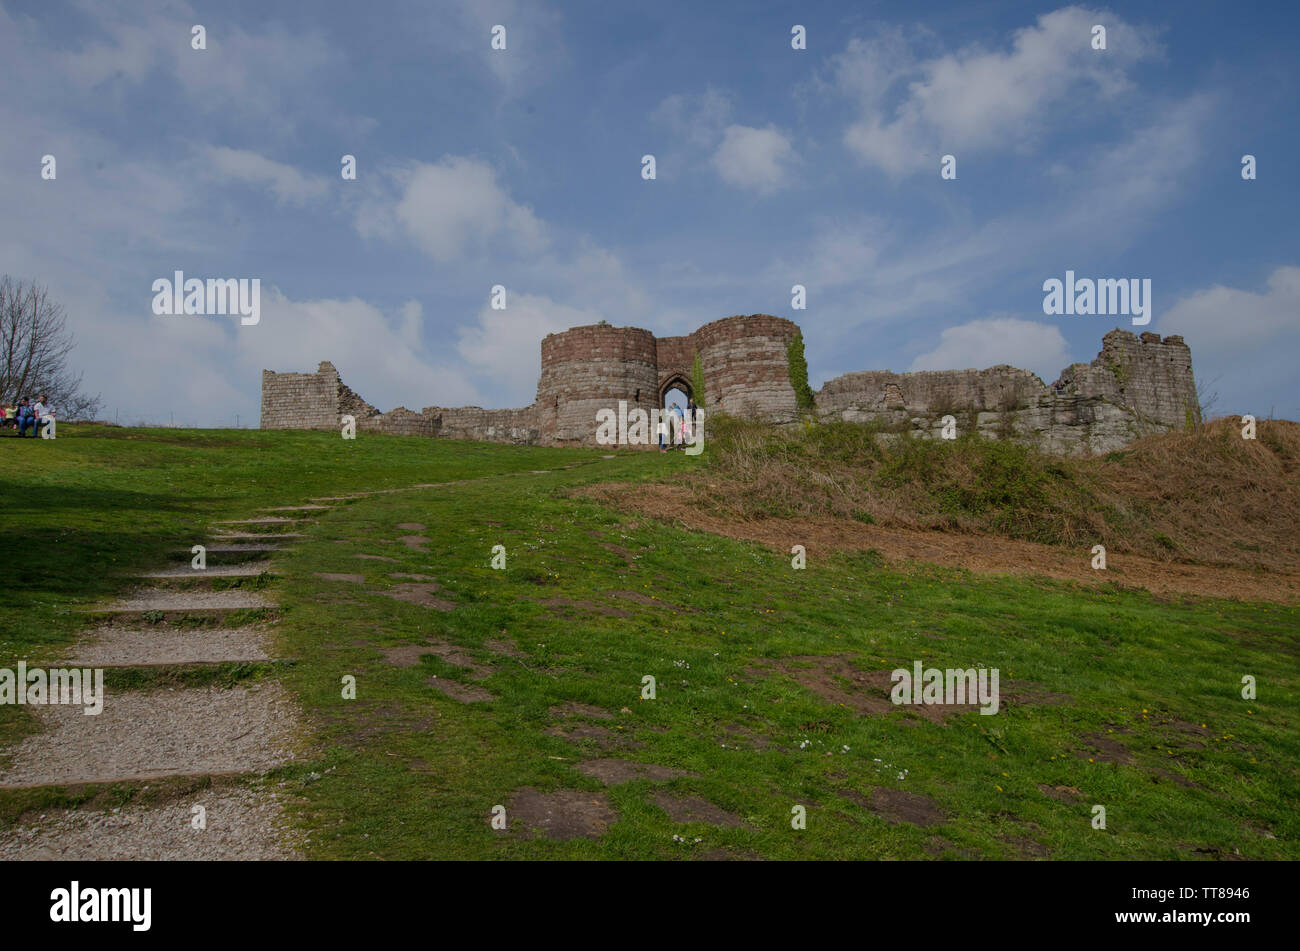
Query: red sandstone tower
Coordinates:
[587,369]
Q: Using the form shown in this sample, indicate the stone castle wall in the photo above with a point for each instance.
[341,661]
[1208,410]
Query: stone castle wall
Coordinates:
[746,368]
[308,400]
[590,368]
[1135,386]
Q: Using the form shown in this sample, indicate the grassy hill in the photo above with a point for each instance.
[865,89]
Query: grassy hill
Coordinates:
[524,687]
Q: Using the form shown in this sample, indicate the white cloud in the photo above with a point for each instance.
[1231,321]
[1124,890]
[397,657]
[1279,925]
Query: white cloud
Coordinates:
[695,119]
[504,346]
[974,100]
[252,72]
[1109,197]
[535,35]
[205,369]
[980,344]
[383,357]
[451,209]
[1243,342]
[754,158]
[287,183]
[840,254]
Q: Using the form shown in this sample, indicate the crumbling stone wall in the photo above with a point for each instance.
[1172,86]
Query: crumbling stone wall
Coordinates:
[309,400]
[518,426]
[1135,386]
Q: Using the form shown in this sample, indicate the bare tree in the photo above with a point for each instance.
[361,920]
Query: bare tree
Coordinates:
[34,347]
[1206,399]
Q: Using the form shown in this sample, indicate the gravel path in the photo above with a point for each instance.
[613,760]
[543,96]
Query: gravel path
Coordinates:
[150,733]
[117,646]
[268,520]
[247,570]
[143,735]
[160,600]
[221,548]
[222,536]
[241,824]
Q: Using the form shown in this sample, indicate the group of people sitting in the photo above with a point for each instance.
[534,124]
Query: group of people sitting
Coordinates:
[37,416]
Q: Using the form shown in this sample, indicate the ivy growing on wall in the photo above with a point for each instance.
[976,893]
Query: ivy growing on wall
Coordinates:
[803,395]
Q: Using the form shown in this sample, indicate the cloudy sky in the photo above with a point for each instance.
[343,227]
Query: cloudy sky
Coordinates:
[522,167]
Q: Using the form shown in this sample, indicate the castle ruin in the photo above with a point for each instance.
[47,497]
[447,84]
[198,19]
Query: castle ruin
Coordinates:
[1135,386]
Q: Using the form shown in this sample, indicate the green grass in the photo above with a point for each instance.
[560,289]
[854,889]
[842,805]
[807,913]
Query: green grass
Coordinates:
[405,772]
[80,515]
[413,774]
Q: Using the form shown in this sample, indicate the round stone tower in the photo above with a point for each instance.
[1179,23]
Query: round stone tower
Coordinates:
[746,369]
[587,369]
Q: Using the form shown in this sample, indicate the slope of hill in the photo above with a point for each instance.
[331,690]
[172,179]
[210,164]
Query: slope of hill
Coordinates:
[1190,510]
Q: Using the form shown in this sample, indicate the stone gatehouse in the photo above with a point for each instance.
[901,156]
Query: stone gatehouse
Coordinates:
[1135,386]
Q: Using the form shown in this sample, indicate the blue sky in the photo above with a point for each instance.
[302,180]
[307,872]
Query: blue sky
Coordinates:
[522,168]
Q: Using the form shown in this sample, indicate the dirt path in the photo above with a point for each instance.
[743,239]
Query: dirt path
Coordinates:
[979,553]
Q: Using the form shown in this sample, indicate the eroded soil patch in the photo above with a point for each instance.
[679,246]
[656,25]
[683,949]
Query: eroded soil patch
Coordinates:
[465,693]
[603,737]
[585,607]
[614,772]
[898,805]
[562,814]
[1105,749]
[1066,794]
[572,708]
[419,594]
[408,655]
[836,679]
[694,809]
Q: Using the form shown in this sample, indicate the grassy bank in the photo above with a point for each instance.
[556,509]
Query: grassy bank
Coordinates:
[520,687]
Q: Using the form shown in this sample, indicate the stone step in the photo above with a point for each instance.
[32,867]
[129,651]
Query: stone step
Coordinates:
[222,536]
[161,599]
[233,548]
[120,645]
[269,520]
[242,823]
[249,569]
[148,734]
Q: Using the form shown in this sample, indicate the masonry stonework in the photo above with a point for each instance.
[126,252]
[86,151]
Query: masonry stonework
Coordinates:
[1135,386]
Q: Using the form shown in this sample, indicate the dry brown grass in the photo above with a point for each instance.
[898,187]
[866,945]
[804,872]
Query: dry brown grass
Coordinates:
[1203,497]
